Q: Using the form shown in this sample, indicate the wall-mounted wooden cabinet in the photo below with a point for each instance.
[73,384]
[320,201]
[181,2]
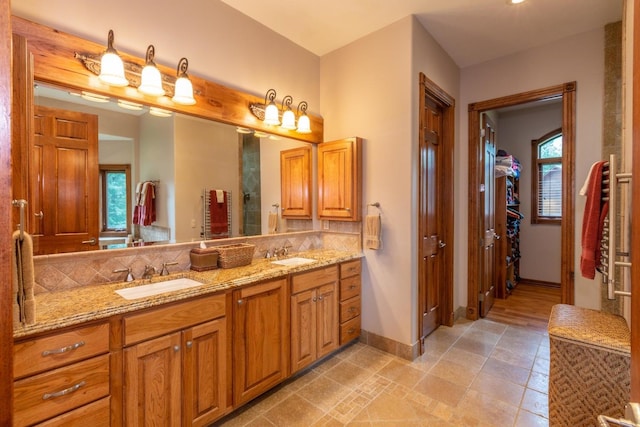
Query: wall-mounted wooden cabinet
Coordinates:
[295,178]
[340,180]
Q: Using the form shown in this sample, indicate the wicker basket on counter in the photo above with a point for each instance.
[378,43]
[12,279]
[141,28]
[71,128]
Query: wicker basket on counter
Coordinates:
[235,255]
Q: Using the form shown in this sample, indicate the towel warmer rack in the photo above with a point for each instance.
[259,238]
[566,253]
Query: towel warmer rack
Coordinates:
[610,254]
[206,215]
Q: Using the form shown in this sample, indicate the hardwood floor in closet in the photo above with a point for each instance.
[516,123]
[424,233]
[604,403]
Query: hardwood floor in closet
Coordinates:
[528,305]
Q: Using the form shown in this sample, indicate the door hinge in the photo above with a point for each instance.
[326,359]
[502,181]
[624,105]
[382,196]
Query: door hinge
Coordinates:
[482,133]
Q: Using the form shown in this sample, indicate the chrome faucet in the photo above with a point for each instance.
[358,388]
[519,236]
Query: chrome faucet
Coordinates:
[127,270]
[165,271]
[149,271]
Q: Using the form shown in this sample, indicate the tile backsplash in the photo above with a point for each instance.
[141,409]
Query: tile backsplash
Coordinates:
[68,271]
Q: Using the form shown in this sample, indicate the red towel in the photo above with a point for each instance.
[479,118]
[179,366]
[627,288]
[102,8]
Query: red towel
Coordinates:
[144,212]
[594,213]
[218,214]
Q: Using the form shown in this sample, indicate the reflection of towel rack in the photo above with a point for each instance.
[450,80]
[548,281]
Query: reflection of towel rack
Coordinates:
[206,215]
[22,204]
[610,181]
[276,206]
[375,205]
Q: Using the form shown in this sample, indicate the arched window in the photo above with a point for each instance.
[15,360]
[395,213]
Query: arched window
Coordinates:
[546,183]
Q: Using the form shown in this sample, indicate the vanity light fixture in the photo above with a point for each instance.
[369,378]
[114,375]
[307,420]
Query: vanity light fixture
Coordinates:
[94,97]
[304,124]
[288,117]
[243,130]
[127,105]
[259,134]
[111,66]
[271,112]
[183,92]
[512,2]
[150,78]
[159,112]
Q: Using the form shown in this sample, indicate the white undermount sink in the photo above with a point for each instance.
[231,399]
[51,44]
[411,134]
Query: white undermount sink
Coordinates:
[158,288]
[292,262]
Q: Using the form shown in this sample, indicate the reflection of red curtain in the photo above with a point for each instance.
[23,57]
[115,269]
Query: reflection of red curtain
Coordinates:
[218,213]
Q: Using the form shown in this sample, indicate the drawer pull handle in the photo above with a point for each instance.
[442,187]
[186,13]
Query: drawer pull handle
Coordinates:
[352,309]
[352,287]
[351,330]
[63,349]
[64,392]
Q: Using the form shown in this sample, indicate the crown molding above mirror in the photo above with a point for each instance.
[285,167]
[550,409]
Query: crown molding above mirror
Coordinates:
[56,63]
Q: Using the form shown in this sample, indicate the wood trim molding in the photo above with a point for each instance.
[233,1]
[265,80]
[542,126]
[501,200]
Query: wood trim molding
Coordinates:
[567,92]
[55,63]
[6,320]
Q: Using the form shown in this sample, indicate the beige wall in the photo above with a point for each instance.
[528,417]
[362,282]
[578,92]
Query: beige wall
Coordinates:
[578,58]
[370,89]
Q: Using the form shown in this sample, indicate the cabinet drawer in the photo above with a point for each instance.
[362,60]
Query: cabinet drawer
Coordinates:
[350,330]
[41,354]
[305,281]
[163,320]
[349,288]
[97,412]
[43,396]
[349,309]
[350,268]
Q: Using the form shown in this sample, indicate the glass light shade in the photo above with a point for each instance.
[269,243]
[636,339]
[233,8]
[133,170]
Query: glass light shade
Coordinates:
[288,120]
[271,115]
[183,92]
[304,125]
[112,70]
[151,81]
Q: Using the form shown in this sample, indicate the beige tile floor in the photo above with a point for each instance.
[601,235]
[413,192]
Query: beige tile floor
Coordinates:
[479,373]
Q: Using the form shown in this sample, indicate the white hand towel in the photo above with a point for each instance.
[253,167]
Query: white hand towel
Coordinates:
[220,196]
[273,222]
[372,232]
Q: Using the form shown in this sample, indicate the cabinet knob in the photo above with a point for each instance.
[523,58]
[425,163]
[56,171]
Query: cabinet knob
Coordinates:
[320,298]
[314,299]
[189,344]
[176,348]
[352,287]
[240,301]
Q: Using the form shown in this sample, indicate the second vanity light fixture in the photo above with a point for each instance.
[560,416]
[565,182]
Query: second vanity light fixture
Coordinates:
[112,71]
[270,114]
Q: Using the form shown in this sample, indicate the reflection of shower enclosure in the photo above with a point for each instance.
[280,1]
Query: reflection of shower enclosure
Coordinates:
[251,217]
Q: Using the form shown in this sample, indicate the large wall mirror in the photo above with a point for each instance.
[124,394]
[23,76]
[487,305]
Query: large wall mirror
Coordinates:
[196,150]
[188,160]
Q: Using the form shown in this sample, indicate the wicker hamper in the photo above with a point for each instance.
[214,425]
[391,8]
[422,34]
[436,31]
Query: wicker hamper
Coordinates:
[590,367]
[235,255]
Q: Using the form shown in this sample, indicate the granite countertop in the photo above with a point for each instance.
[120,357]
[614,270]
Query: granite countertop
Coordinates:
[66,308]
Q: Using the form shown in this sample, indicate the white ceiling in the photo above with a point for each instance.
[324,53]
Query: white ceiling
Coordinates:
[471,31]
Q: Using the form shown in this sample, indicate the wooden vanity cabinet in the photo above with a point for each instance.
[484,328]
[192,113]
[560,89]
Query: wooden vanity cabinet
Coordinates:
[260,338]
[62,378]
[314,316]
[340,179]
[175,370]
[350,302]
[295,182]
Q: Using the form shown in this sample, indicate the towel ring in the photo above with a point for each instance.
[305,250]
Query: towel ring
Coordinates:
[375,205]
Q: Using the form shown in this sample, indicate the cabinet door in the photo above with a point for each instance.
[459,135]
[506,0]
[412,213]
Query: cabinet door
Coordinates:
[153,382]
[295,178]
[260,337]
[327,322]
[339,179]
[303,337]
[205,372]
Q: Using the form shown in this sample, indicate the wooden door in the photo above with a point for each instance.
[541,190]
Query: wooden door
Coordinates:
[431,266]
[487,283]
[63,173]
[260,337]
[303,340]
[295,178]
[340,179]
[327,319]
[152,382]
[205,373]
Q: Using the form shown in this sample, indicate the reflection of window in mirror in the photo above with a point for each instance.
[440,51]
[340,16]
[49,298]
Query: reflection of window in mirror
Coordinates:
[115,199]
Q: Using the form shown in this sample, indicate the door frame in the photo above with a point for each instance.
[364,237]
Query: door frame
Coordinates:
[429,88]
[566,92]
